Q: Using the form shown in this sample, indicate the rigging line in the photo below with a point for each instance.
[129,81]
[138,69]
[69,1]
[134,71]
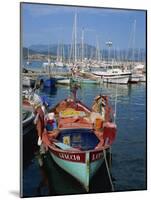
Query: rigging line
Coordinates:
[115,106]
[108,171]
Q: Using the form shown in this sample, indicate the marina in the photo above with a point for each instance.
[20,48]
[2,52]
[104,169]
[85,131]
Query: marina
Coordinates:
[83,105]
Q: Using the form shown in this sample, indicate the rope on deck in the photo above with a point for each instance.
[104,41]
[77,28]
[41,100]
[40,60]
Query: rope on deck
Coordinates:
[108,171]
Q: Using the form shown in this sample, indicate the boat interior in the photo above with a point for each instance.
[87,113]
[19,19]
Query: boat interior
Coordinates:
[82,139]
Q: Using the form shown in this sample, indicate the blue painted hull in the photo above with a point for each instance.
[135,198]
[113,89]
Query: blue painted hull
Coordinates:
[49,82]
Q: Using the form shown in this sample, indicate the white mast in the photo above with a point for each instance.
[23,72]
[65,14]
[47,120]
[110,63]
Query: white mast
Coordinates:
[109,44]
[134,30]
[58,51]
[97,49]
[28,55]
[48,54]
[75,38]
[82,52]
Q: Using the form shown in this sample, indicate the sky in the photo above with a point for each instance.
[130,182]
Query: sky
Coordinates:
[51,24]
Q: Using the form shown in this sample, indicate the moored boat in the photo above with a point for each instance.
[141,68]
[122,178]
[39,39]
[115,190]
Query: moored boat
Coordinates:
[82,80]
[116,79]
[134,78]
[79,142]
[142,78]
[63,80]
[106,72]
[28,82]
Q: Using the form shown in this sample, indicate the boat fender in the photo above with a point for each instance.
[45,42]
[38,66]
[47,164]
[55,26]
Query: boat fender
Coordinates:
[109,132]
[39,141]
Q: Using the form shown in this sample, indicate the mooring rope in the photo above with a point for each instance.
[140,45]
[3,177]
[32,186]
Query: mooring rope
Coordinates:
[108,171]
[110,157]
[115,106]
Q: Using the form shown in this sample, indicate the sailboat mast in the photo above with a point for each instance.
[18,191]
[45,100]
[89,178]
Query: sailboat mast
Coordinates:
[28,55]
[75,38]
[48,52]
[82,56]
[134,30]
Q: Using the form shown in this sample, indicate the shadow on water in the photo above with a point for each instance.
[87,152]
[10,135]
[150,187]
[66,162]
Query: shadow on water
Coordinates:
[29,147]
[59,182]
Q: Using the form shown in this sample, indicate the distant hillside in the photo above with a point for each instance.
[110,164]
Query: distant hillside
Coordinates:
[25,52]
[89,52]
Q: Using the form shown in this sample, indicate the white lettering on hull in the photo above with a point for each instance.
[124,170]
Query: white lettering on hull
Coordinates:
[70,157]
[96,156]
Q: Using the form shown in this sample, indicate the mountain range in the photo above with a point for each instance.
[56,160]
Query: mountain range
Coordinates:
[89,51]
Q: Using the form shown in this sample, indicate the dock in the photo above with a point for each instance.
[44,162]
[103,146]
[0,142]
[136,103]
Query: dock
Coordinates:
[34,75]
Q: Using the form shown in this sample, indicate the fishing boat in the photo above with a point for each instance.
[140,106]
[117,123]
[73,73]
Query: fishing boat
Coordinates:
[83,136]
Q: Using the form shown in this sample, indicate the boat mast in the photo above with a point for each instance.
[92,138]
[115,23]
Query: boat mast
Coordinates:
[75,38]
[71,54]
[82,56]
[109,44]
[133,44]
[58,52]
[28,55]
[97,50]
[48,60]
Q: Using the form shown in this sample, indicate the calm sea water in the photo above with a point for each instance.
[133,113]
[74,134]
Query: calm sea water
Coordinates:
[128,151]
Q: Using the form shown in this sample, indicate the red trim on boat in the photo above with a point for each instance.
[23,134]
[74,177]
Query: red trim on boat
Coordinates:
[97,155]
[69,156]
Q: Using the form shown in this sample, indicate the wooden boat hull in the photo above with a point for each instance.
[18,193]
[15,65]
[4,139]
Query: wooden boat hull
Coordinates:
[82,166]
[78,146]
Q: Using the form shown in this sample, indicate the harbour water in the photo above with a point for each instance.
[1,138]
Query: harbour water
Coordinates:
[128,151]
